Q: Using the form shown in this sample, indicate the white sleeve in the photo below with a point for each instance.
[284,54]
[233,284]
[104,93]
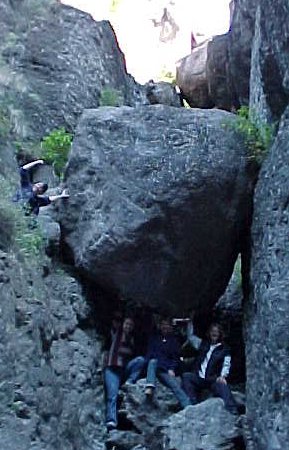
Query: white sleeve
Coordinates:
[226,366]
[194,340]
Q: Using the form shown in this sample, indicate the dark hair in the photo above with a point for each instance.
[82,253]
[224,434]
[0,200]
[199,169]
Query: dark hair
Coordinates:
[220,329]
[44,187]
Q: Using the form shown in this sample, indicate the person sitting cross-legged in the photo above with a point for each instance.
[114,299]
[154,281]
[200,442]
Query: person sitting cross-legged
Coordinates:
[163,358]
[212,367]
[121,366]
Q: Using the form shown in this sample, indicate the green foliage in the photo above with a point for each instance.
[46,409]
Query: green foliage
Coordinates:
[17,231]
[55,149]
[258,136]
[110,97]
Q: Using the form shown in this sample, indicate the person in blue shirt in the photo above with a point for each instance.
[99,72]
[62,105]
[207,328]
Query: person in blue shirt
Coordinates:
[163,358]
[31,194]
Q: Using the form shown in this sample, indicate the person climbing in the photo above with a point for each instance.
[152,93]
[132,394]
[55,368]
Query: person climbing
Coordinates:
[212,366]
[163,358]
[31,194]
[121,367]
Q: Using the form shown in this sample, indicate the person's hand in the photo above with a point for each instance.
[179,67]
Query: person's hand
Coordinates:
[171,373]
[221,380]
[65,194]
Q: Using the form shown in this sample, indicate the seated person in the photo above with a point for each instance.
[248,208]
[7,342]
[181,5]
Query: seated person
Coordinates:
[212,366]
[163,357]
[32,193]
[121,366]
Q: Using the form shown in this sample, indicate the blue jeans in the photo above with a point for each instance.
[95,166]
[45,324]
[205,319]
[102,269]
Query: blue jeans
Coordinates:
[167,380]
[193,384]
[113,377]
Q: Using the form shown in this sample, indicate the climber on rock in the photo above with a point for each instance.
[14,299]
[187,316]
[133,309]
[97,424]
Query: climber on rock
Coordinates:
[211,368]
[31,194]
[163,358]
[121,366]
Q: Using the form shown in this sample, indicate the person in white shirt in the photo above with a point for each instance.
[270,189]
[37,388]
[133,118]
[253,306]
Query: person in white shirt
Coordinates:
[212,366]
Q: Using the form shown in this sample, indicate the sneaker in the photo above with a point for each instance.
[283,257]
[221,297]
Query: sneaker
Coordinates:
[110,425]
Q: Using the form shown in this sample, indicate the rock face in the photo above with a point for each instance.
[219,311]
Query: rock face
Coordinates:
[206,426]
[192,78]
[158,205]
[269,86]
[57,65]
[267,331]
[217,72]
[162,93]
[51,393]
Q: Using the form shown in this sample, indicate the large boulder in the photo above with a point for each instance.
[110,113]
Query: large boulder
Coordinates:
[159,202]
[207,426]
[217,71]
[192,77]
[267,331]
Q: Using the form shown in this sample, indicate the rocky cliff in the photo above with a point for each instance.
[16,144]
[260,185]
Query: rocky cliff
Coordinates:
[159,209]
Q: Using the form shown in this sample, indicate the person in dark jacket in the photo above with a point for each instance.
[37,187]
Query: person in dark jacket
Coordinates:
[121,366]
[31,194]
[212,366]
[163,358]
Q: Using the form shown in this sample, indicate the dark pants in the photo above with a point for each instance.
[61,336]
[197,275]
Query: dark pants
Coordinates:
[193,384]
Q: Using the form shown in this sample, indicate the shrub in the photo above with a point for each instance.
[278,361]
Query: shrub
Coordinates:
[55,149]
[110,97]
[258,136]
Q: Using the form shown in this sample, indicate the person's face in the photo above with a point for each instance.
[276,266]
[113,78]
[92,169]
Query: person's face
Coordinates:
[128,325]
[165,328]
[214,335]
[38,188]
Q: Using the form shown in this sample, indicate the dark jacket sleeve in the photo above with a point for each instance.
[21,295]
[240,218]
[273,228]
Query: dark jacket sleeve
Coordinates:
[24,177]
[43,201]
[175,354]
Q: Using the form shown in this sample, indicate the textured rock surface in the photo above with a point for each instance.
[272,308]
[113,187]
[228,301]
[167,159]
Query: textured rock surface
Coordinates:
[218,76]
[158,203]
[192,78]
[207,426]
[240,46]
[267,331]
[162,93]
[55,63]
[51,395]
[269,85]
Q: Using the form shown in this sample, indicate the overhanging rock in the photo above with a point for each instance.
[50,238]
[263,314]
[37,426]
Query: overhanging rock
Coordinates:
[159,203]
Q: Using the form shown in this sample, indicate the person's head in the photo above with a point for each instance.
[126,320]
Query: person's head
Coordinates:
[165,326]
[39,188]
[116,319]
[128,325]
[215,333]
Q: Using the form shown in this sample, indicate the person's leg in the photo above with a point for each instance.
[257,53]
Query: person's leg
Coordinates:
[173,384]
[192,384]
[134,369]
[112,383]
[223,390]
[152,373]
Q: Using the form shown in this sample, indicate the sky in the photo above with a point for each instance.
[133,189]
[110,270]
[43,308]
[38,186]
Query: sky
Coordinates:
[146,56]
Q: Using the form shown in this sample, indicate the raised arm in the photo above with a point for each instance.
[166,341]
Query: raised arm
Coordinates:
[32,164]
[194,340]
[64,194]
